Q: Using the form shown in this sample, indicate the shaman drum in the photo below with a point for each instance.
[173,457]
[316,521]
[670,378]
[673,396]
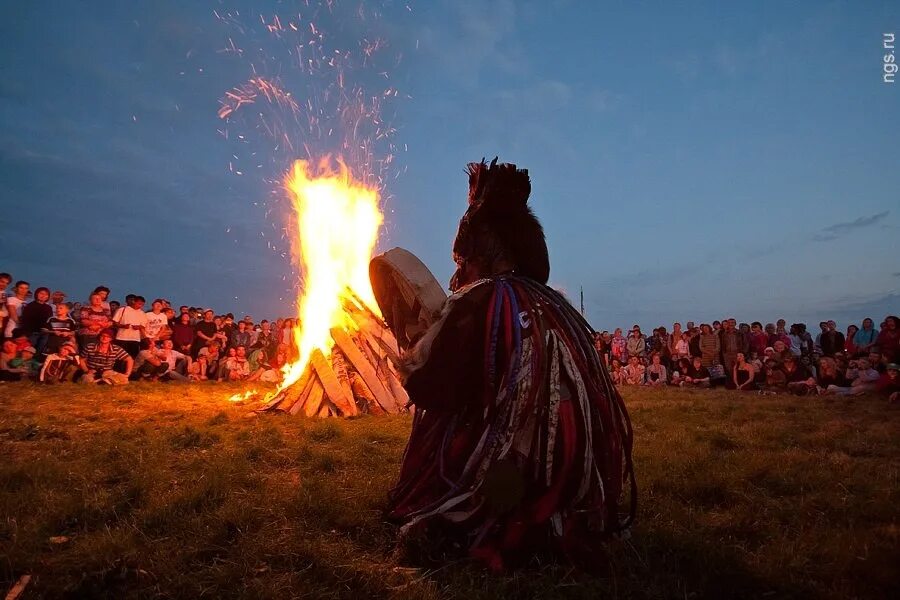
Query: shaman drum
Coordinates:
[409,296]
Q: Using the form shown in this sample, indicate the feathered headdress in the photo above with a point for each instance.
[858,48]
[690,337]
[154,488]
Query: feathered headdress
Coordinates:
[499,222]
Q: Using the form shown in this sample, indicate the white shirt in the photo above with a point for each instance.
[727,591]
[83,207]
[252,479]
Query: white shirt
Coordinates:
[170,357]
[129,316]
[13,304]
[155,323]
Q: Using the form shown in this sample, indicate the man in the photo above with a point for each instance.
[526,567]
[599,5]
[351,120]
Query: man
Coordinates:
[204,332]
[698,375]
[634,371]
[240,336]
[98,361]
[131,325]
[831,340]
[758,338]
[732,343]
[635,345]
[172,359]
[866,380]
[5,278]
[266,341]
[157,322]
[477,465]
[14,306]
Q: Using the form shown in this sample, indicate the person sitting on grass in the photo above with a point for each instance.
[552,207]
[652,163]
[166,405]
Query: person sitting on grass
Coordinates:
[782,351]
[210,359]
[657,375]
[743,374]
[99,358]
[270,370]
[697,375]
[26,363]
[173,360]
[889,384]
[775,377]
[865,381]
[8,354]
[236,367]
[633,373]
[617,372]
[828,374]
[147,365]
[799,379]
[62,365]
[680,371]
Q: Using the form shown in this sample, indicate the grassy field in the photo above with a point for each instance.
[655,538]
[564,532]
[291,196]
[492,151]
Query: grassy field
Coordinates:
[166,491]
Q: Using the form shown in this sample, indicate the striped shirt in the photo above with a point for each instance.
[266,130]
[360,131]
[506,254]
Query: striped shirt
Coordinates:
[103,361]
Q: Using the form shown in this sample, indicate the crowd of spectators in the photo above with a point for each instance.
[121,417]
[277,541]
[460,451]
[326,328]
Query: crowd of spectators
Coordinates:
[766,359]
[101,341]
[48,339]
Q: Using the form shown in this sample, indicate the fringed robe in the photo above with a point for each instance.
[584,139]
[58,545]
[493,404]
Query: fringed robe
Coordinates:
[519,436]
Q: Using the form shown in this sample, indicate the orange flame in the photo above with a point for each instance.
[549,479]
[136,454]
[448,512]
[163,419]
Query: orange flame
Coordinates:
[338,220]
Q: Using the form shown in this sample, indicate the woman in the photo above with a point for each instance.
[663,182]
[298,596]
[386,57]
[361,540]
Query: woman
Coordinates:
[93,318]
[828,374]
[616,372]
[743,374]
[850,341]
[865,337]
[270,371]
[657,375]
[709,346]
[673,342]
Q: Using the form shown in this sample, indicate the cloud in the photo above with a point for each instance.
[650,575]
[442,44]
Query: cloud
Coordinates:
[833,232]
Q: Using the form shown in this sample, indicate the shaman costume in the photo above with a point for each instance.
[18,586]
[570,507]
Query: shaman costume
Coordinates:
[520,441]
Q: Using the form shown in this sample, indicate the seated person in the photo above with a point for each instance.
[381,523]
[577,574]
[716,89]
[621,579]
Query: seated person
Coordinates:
[743,374]
[236,367]
[209,358]
[147,365]
[865,381]
[697,375]
[657,374]
[270,370]
[99,358]
[775,377]
[799,379]
[26,364]
[173,360]
[634,372]
[617,372]
[828,374]
[681,369]
[62,365]
[782,351]
[8,354]
[889,383]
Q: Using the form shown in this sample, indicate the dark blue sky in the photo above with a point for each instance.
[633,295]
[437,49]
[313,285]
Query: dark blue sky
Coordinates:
[688,162]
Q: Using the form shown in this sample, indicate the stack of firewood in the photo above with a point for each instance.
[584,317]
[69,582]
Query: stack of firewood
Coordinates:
[358,376]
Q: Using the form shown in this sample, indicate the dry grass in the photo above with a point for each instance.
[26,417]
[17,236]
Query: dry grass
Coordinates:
[172,492]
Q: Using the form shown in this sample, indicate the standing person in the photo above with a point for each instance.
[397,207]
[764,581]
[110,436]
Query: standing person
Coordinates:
[831,340]
[506,501]
[240,336]
[635,344]
[849,340]
[98,361]
[618,346]
[710,346]
[865,337]
[59,329]
[104,297]
[674,338]
[204,332]
[35,315]
[758,339]
[183,334]
[93,319]
[131,324]
[743,374]
[14,306]
[5,278]
[888,340]
[157,322]
[732,345]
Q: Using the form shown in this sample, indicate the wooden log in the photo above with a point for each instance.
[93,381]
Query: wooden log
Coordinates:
[325,410]
[339,366]
[332,386]
[314,400]
[362,391]
[364,368]
[399,391]
[293,393]
[304,396]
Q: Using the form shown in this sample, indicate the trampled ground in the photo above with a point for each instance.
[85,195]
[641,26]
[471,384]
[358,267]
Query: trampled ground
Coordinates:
[166,491]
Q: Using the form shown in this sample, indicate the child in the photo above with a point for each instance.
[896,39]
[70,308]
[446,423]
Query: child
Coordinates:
[26,364]
[61,365]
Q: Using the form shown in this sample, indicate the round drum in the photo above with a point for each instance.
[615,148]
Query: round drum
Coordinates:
[409,296]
